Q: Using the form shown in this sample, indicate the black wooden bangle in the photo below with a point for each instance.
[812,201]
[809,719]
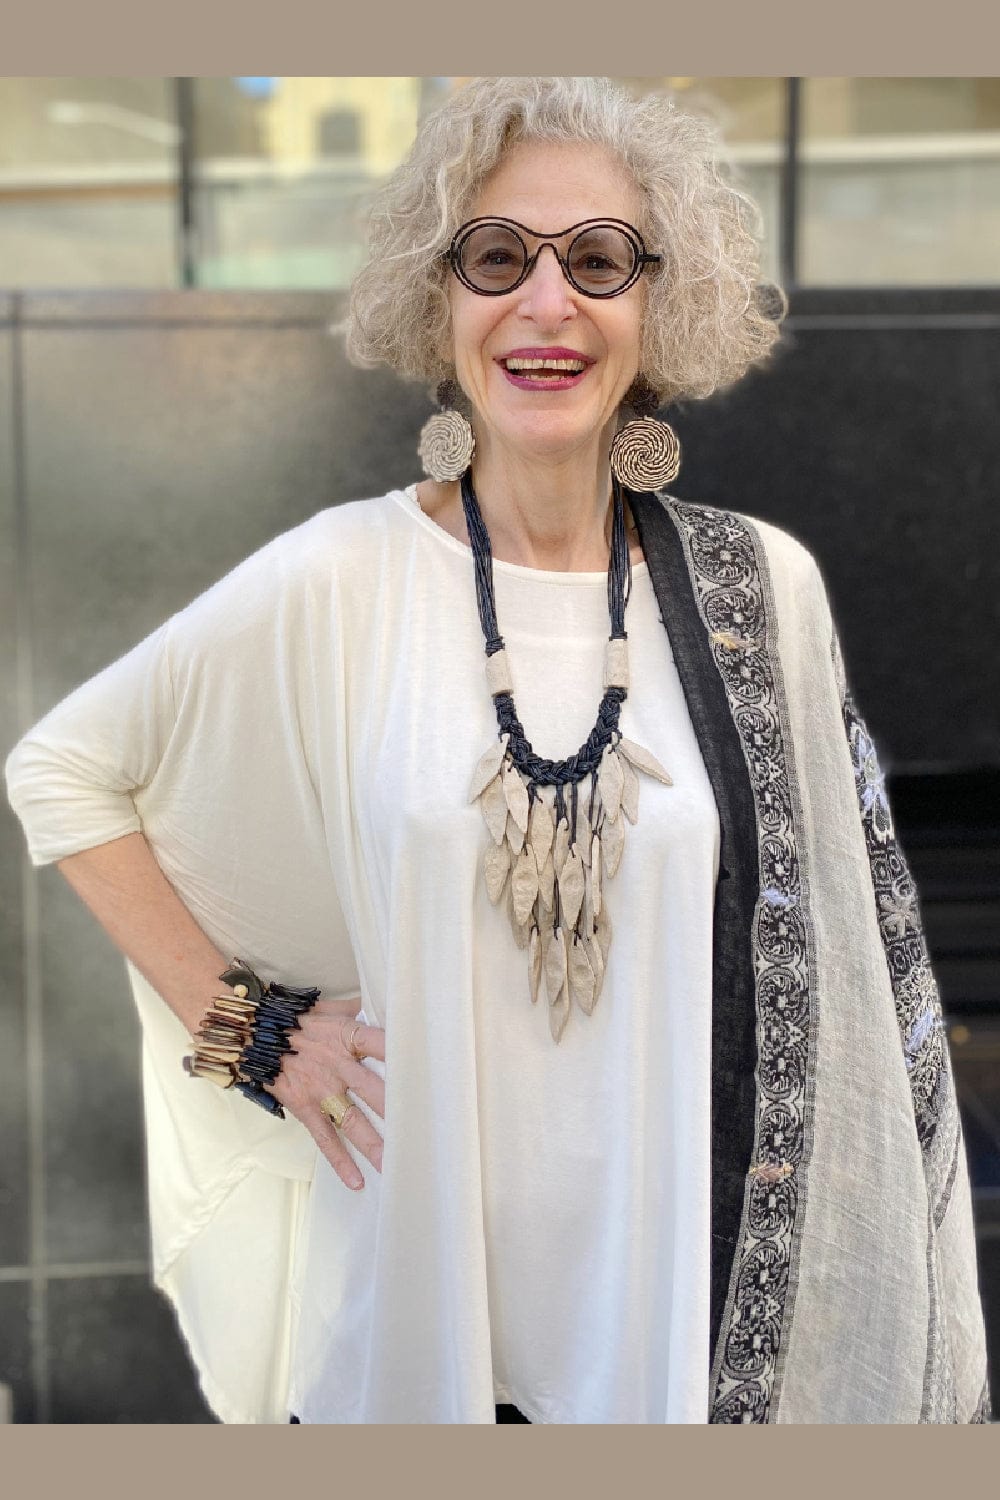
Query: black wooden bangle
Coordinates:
[245,1035]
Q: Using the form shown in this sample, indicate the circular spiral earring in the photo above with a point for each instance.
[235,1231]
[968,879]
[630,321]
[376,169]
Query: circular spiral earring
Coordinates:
[645,453]
[447,441]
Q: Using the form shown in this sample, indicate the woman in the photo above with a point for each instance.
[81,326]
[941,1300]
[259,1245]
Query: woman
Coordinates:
[646,1018]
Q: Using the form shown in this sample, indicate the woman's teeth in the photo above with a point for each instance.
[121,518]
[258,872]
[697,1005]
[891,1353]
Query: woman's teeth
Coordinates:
[544,367]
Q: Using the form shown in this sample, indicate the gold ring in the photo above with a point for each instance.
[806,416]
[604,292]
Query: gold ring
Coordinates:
[336,1107]
[349,1043]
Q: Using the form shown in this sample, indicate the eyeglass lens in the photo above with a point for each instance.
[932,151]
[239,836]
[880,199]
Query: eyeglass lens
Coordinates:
[600,259]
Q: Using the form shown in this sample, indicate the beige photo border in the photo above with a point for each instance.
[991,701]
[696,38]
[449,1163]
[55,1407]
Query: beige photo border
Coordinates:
[843,38]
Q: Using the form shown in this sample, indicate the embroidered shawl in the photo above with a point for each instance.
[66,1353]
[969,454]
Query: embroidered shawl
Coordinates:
[844,1275]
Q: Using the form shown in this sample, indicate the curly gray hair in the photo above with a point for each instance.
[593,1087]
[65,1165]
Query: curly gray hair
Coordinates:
[705,323]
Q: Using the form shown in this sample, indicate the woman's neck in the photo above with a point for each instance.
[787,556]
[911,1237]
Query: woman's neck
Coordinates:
[539,515]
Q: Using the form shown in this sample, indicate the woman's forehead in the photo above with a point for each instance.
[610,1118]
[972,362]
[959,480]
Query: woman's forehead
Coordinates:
[549,185]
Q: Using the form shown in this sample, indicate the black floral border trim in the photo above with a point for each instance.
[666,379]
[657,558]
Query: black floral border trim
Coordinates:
[730,589]
[915,992]
[922,1033]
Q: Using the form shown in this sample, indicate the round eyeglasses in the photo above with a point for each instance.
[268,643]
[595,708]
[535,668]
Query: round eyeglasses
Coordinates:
[600,258]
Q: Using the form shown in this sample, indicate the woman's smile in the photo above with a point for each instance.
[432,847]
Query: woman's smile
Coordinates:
[551,369]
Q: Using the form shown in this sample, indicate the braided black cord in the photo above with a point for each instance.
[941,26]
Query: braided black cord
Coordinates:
[537,769]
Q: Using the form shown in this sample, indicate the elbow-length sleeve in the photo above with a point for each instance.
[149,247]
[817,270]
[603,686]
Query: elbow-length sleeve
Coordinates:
[221,737]
[956,1351]
[73,777]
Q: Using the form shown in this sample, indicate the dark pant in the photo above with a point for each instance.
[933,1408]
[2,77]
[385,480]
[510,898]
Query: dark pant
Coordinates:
[504,1414]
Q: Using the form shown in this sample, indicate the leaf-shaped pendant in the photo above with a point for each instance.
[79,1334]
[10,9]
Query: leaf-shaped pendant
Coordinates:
[559,1014]
[610,781]
[524,884]
[497,866]
[596,957]
[560,847]
[555,966]
[643,760]
[547,882]
[595,875]
[541,830]
[581,975]
[534,962]
[517,795]
[494,805]
[571,887]
[515,837]
[521,930]
[612,842]
[604,933]
[584,832]
[630,790]
[488,767]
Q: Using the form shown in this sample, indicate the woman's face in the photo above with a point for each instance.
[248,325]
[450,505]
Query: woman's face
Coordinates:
[548,187]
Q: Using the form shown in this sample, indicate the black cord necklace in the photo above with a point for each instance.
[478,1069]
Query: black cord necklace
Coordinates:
[556,845]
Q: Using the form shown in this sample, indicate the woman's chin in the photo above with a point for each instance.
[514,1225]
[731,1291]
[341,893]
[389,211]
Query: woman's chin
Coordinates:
[548,436]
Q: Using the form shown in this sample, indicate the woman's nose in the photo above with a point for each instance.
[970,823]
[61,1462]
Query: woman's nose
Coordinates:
[545,293]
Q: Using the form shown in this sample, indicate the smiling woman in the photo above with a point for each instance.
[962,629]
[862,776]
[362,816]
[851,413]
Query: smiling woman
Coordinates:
[619,1005]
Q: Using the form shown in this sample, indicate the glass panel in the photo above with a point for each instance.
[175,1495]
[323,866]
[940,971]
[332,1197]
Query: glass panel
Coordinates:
[286,166]
[900,181]
[750,115]
[88,173]
[285,169]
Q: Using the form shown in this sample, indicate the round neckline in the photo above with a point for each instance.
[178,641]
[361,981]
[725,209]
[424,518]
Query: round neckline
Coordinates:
[411,505]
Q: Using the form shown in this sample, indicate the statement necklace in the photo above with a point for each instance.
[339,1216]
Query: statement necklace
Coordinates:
[557,828]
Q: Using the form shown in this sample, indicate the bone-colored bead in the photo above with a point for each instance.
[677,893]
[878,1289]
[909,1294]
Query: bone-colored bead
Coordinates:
[616,664]
[498,672]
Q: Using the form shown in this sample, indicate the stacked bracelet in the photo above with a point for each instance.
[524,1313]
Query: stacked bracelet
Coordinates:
[245,1035]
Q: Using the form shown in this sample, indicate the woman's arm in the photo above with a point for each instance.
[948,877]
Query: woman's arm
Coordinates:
[125,889]
[176,728]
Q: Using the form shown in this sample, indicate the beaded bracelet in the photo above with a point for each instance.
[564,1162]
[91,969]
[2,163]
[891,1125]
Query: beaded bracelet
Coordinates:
[245,1035]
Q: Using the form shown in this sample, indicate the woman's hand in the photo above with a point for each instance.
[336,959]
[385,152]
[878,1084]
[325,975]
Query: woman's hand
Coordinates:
[322,1065]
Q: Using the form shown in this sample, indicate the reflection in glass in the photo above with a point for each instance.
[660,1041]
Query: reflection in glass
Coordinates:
[900,181]
[88,182]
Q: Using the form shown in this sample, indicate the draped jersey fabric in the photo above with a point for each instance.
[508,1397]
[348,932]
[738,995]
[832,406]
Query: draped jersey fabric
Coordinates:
[298,747]
[787,1018]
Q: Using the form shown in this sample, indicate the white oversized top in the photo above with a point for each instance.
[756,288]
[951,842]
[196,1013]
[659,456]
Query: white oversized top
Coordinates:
[297,745]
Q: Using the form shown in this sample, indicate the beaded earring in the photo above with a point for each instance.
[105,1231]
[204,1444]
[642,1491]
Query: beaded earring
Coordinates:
[645,453]
[447,441]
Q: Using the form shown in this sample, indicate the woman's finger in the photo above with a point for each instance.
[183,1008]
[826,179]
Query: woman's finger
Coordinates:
[361,1133]
[365,1084]
[324,1133]
[361,1040]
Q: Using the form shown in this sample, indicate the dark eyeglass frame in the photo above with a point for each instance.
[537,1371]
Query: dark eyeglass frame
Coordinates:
[641,257]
